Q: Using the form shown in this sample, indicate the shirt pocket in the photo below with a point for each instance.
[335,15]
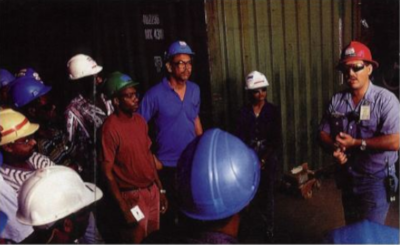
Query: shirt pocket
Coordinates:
[191,110]
[368,128]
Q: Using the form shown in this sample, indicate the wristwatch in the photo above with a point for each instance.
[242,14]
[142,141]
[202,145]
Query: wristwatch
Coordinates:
[363,146]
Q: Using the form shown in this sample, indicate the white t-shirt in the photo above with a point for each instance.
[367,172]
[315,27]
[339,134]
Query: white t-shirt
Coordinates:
[14,230]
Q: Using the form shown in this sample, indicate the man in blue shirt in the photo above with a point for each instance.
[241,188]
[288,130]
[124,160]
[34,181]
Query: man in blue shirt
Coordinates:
[174,104]
[361,128]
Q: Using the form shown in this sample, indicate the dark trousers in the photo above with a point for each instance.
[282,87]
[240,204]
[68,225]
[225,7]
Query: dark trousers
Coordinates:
[169,220]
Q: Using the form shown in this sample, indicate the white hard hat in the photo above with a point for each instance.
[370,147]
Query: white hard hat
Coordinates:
[256,80]
[82,65]
[14,126]
[53,193]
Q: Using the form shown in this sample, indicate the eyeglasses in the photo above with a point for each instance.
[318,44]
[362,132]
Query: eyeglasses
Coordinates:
[182,64]
[259,90]
[355,68]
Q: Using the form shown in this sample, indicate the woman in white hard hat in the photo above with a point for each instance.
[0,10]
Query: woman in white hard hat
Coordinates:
[258,125]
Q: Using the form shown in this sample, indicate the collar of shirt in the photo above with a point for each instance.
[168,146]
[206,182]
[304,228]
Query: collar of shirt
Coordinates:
[368,97]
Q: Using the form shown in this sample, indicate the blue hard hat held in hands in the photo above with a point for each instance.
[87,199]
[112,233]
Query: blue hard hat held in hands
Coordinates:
[217,176]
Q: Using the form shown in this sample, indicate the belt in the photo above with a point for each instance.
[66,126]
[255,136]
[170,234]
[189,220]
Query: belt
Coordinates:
[128,189]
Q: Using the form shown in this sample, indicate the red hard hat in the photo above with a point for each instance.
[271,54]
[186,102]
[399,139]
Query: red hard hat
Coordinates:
[357,51]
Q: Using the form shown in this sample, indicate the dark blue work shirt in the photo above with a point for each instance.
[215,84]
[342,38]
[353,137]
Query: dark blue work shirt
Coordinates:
[262,132]
[384,119]
[174,118]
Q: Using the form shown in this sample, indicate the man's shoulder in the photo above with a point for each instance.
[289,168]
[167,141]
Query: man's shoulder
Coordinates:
[156,88]
[378,92]
[139,117]
[75,105]
[341,95]
[192,85]
[110,120]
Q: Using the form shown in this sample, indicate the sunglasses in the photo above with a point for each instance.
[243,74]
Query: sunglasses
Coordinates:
[256,91]
[355,68]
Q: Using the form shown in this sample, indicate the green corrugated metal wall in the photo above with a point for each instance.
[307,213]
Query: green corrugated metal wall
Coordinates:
[296,43]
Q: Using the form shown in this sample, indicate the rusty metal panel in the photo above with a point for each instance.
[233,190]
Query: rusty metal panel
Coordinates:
[297,45]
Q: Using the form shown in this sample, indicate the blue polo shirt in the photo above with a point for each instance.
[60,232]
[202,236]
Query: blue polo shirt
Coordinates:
[174,118]
[384,119]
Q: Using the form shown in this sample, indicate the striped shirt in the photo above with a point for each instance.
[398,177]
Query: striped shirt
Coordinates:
[15,177]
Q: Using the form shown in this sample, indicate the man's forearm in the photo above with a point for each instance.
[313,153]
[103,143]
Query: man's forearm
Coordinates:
[326,141]
[388,142]
[198,128]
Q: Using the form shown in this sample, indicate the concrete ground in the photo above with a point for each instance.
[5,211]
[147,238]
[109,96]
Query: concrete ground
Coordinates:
[305,221]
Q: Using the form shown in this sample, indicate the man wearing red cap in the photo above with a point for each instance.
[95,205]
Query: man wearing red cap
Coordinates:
[361,128]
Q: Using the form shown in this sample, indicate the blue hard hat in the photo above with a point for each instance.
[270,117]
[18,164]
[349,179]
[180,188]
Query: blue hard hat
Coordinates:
[217,176]
[29,72]
[26,89]
[178,47]
[3,221]
[5,77]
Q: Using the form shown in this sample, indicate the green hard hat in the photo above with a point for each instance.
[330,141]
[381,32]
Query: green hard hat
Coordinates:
[117,81]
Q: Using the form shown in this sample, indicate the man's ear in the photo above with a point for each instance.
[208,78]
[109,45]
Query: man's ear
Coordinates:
[371,69]
[115,101]
[68,225]
[168,66]
[31,111]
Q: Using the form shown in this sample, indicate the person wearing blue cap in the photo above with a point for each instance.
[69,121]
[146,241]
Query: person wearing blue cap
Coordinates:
[6,79]
[217,177]
[31,97]
[174,104]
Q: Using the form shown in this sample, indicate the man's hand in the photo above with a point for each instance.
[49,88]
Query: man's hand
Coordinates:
[345,141]
[340,156]
[163,203]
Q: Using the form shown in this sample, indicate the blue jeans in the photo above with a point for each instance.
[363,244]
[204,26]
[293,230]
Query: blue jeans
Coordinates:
[365,198]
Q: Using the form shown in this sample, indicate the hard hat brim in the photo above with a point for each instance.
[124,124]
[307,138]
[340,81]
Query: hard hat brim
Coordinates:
[93,194]
[373,62]
[132,84]
[31,129]
[42,92]
[96,70]
[93,189]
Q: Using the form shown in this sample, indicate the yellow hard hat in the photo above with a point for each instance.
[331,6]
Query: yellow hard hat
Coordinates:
[14,125]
